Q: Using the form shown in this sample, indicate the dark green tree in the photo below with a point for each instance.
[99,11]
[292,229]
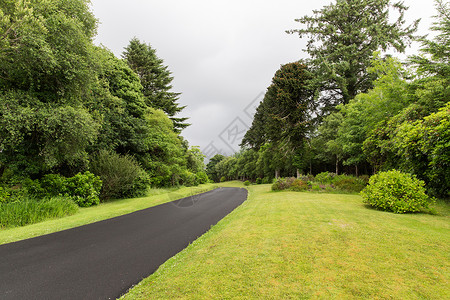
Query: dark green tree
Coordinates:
[211,167]
[156,80]
[284,117]
[342,38]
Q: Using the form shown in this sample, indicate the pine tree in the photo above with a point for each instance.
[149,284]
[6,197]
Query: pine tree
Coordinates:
[342,39]
[156,80]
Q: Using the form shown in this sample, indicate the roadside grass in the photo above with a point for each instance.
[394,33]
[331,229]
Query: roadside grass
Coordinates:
[297,245]
[100,212]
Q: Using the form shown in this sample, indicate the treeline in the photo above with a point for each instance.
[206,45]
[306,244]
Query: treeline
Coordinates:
[349,109]
[69,107]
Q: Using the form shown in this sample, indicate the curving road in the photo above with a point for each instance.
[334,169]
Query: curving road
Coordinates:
[104,259]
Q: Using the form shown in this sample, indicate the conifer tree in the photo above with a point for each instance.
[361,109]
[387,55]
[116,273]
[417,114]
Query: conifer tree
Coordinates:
[156,80]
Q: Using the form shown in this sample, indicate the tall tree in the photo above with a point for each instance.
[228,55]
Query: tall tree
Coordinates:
[46,48]
[156,80]
[342,38]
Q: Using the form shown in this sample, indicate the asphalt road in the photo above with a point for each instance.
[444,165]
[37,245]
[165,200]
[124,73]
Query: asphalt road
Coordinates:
[104,259]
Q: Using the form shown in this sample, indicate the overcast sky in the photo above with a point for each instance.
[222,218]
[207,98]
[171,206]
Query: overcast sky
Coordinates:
[222,54]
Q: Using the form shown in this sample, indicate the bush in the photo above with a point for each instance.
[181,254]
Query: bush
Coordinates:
[4,195]
[397,192]
[325,177]
[122,176]
[223,179]
[348,183]
[202,177]
[299,185]
[84,189]
[283,184]
[30,211]
[188,178]
[246,183]
[266,180]
[258,180]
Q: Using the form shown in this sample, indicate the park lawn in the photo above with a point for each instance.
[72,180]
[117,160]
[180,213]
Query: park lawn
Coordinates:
[101,212]
[294,245]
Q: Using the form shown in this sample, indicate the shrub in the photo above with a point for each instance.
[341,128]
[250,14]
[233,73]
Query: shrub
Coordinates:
[283,184]
[31,211]
[348,183]
[188,178]
[266,180]
[325,177]
[202,177]
[246,183]
[121,175]
[396,191]
[84,189]
[299,185]
[223,179]
[4,195]
[258,180]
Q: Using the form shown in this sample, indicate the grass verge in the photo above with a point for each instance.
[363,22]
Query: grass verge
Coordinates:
[100,212]
[291,245]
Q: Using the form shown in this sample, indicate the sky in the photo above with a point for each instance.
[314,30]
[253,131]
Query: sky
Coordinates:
[222,54]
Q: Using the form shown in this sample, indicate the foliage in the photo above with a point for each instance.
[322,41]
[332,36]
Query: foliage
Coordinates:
[342,38]
[202,177]
[348,183]
[247,183]
[46,48]
[121,175]
[258,180]
[299,185]
[223,179]
[4,195]
[325,177]
[284,114]
[38,138]
[397,192]
[211,167]
[156,80]
[83,189]
[29,211]
[283,184]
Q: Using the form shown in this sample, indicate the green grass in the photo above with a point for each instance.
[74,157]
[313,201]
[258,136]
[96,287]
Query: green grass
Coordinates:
[293,245]
[100,212]
[31,211]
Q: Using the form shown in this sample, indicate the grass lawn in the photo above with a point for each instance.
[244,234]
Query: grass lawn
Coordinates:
[100,212]
[293,245]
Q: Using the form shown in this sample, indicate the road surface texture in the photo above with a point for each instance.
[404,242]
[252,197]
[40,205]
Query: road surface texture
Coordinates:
[104,259]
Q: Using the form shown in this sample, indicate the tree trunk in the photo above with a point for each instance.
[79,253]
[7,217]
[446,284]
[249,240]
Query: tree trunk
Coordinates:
[337,166]
[298,174]
[356,168]
[277,173]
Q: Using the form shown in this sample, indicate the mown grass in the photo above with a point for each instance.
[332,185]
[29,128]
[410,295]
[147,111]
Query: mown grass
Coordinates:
[100,212]
[293,245]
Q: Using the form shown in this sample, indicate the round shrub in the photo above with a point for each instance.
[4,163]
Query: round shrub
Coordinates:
[258,180]
[84,189]
[396,191]
[223,179]
[246,183]
[121,175]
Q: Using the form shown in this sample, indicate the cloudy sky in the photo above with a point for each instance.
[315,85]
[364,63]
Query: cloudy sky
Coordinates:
[222,54]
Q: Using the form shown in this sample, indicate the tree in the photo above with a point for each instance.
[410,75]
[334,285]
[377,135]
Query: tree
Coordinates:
[156,80]
[284,117]
[46,48]
[342,39]
[211,167]
[433,65]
